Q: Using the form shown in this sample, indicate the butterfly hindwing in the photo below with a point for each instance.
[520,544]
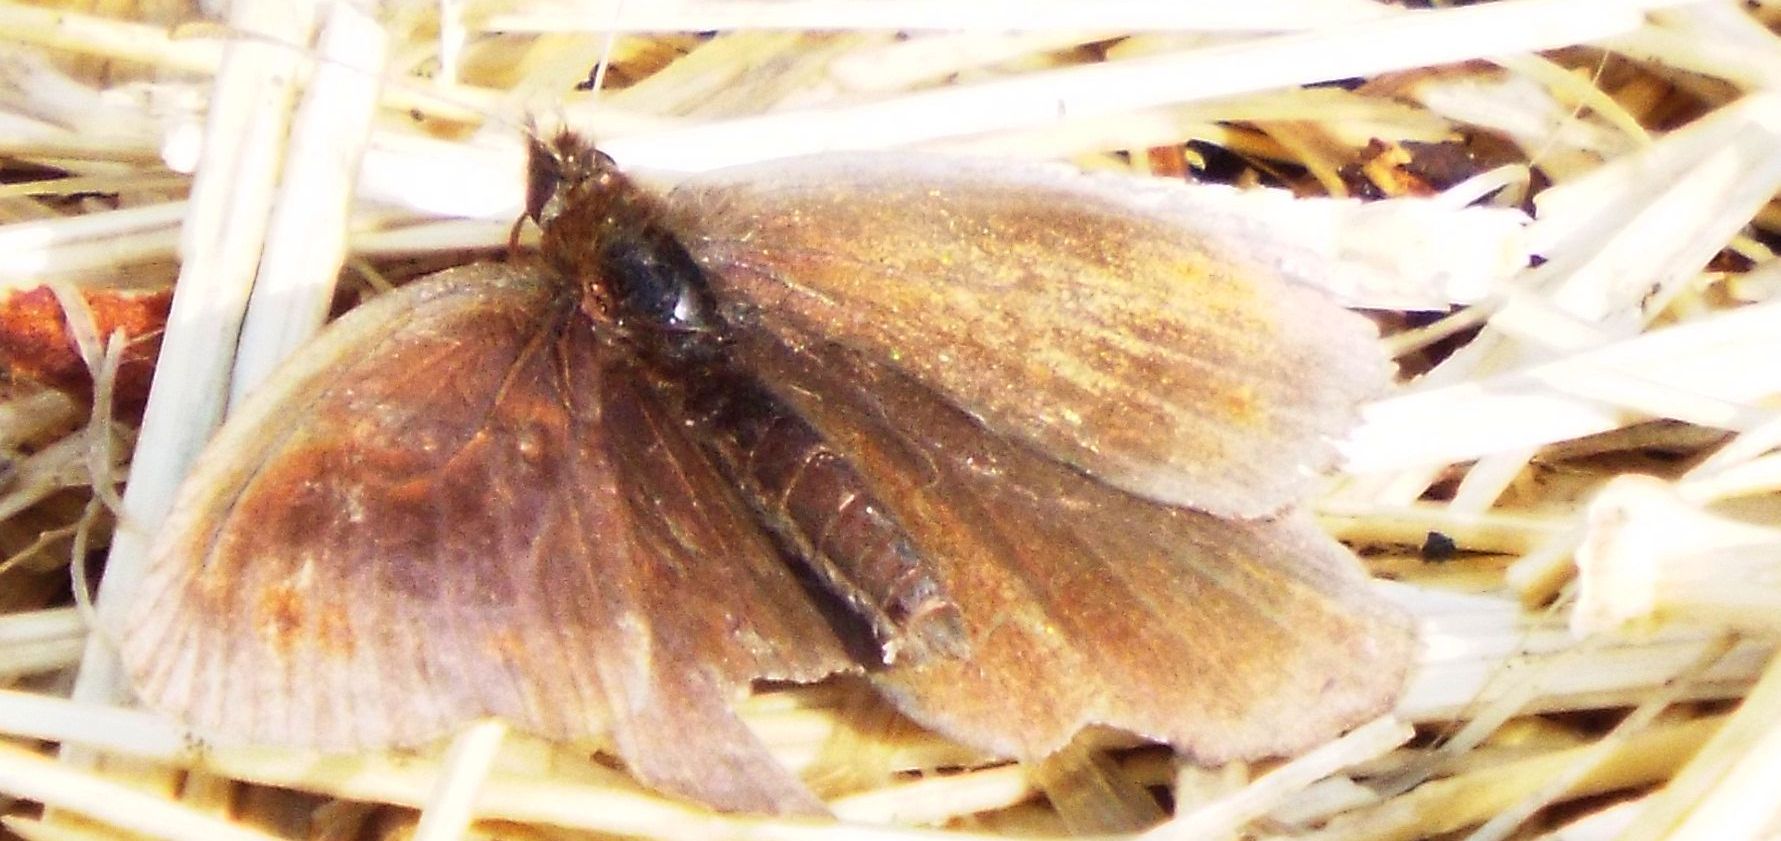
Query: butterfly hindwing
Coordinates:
[460,503]
[1089,605]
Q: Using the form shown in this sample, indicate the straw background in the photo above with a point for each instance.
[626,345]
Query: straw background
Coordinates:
[1596,433]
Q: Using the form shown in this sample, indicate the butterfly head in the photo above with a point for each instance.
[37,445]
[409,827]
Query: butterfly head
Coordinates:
[607,234]
[563,169]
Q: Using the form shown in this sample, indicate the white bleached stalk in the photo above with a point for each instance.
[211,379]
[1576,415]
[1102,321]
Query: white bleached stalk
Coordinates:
[1650,555]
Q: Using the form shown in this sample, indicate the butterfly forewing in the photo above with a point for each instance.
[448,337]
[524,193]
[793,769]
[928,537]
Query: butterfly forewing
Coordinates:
[461,503]
[1086,315]
[1086,604]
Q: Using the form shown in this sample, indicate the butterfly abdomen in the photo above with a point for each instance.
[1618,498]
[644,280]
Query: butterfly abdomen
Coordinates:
[822,512]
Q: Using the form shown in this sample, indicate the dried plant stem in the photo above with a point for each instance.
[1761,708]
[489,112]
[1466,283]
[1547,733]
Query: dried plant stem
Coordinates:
[59,786]
[1227,815]
[1720,793]
[1468,799]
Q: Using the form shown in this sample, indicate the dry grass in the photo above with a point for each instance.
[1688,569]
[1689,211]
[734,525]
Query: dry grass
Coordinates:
[1645,138]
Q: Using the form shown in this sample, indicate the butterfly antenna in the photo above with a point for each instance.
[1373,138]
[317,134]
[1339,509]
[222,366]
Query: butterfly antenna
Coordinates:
[599,80]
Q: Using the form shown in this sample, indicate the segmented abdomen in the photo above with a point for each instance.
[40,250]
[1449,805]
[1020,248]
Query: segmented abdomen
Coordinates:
[823,512]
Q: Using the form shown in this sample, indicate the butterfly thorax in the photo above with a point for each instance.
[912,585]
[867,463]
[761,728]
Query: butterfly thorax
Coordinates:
[604,234]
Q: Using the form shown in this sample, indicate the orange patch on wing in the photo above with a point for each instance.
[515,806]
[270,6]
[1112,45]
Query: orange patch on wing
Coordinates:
[1239,403]
[289,617]
[278,614]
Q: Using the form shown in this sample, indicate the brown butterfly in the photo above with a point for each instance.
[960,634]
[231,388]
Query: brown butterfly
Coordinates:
[1023,447]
